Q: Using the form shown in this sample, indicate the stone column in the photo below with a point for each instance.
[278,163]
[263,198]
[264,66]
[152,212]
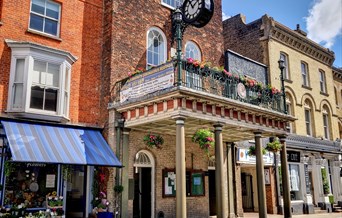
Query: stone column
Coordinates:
[220,182]
[285,178]
[125,171]
[231,207]
[180,169]
[260,176]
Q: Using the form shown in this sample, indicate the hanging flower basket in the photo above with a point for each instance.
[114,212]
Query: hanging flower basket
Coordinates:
[153,140]
[205,139]
[274,146]
[252,151]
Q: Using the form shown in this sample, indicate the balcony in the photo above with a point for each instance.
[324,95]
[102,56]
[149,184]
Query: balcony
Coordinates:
[150,100]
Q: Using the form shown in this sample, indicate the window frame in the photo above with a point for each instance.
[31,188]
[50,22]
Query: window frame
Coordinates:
[322,81]
[31,52]
[286,63]
[326,123]
[148,65]
[44,16]
[196,79]
[308,123]
[169,5]
[305,74]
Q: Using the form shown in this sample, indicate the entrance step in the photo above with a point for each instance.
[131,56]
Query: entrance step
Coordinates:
[319,210]
[336,208]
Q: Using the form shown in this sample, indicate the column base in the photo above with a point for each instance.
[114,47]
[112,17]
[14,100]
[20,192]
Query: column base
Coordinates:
[325,206]
[308,208]
[296,209]
[339,203]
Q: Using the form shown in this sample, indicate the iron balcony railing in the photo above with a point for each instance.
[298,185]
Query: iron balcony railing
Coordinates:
[209,80]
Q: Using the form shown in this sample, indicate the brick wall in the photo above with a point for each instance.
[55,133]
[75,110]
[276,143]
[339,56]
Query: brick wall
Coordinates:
[80,34]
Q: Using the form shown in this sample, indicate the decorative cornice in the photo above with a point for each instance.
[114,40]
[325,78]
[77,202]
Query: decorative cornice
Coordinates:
[298,42]
[337,72]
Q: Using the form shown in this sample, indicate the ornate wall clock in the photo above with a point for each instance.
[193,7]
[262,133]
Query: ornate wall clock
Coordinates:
[198,12]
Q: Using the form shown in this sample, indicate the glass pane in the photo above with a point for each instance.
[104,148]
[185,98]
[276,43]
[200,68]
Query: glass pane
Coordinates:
[36,22]
[38,6]
[17,95]
[66,80]
[51,27]
[38,68]
[19,70]
[50,100]
[149,57]
[52,76]
[52,10]
[37,96]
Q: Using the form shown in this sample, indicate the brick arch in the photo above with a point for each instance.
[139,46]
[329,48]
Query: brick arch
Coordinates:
[311,98]
[327,103]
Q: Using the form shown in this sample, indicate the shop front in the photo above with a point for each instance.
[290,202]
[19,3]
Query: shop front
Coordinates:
[48,167]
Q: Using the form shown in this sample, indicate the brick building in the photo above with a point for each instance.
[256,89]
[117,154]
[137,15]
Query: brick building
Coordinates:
[51,92]
[309,97]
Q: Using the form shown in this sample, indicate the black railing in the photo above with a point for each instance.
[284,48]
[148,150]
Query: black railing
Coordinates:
[225,84]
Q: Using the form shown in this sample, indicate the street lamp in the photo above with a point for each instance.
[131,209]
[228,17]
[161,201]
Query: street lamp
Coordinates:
[177,20]
[281,63]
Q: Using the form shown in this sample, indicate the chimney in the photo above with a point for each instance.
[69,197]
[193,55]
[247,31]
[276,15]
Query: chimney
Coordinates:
[300,31]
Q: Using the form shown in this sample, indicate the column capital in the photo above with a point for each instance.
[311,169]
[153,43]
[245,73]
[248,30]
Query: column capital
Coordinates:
[126,131]
[218,126]
[258,133]
[282,138]
[179,117]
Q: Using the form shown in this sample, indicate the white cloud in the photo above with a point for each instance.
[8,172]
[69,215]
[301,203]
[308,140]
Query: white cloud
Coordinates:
[324,22]
[224,16]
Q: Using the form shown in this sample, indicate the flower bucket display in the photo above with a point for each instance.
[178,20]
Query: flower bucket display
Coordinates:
[205,139]
[153,140]
[274,146]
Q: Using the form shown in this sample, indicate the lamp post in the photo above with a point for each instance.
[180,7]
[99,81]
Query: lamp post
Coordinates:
[177,19]
[282,67]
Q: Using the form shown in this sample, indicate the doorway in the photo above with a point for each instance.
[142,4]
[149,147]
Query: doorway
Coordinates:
[76,192]
[143,202]
[212,193]
[247,192]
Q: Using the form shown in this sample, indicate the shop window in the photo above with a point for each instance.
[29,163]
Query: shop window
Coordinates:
[194,183]
[156,47]
[45,17]
[172,3]
[192,79]
[39,81]
[29,183]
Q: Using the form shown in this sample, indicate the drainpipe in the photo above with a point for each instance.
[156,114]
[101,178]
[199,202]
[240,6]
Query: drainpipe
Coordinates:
[119,124]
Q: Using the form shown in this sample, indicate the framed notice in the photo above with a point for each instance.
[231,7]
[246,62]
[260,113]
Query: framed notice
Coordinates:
[169,183]
[197,183]
[50,180]
[267,176]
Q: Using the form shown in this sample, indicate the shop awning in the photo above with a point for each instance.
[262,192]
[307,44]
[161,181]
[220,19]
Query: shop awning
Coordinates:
[58,144]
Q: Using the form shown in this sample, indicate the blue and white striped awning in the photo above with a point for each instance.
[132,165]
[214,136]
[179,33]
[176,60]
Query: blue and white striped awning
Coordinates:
[58,144]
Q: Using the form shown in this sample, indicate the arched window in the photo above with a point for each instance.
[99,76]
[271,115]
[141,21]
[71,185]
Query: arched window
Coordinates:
[308,118]
[193,80]
[156,47]
[290,111]
[284,57]
[326,122]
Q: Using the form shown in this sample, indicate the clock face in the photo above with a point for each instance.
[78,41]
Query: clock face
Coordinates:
[197,12]
[192,9]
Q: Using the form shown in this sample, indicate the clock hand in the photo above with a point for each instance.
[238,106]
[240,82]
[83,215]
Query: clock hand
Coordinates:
[192,5]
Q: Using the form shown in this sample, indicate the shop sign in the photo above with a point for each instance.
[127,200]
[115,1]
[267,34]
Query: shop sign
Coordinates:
[293,156]
[243,157]
[307,179]
[156,79]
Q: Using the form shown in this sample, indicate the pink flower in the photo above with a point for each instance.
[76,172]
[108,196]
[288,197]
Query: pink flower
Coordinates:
[190,60]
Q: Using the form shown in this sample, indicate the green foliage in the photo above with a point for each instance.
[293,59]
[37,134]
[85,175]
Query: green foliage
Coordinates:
[252,150]
[331,199]
[326,186]
[205,139]
[274,146]
[118,189]
[9,168]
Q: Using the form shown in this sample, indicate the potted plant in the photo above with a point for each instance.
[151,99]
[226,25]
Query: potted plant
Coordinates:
[274,146]
[153,140]
[252,150]
[205,139]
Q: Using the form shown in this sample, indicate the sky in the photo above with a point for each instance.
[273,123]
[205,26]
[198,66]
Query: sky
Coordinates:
[321,19]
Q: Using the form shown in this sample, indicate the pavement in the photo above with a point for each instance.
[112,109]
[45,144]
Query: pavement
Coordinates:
[320,215]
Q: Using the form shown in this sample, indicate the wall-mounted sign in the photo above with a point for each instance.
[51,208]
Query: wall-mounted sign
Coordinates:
[243,157]
[293,156]
[156,79]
